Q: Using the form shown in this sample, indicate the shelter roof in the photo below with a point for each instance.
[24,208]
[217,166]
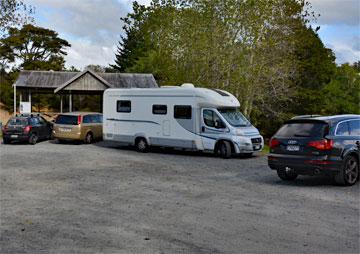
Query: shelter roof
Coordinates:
[57,80]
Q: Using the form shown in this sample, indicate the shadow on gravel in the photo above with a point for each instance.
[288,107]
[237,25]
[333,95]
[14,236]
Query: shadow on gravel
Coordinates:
[22,142]
[167,150]
[54,141]
[301,181]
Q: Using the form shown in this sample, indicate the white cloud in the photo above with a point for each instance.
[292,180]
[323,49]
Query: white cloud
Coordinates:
[93,24]
[337,11]
[83,53]
[340,27]
[347,49]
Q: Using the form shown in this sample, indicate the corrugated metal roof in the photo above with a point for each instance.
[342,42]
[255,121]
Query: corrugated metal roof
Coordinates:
[55,79]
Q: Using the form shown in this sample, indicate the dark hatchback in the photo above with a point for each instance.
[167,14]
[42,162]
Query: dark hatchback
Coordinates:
[328,145]
[26,128]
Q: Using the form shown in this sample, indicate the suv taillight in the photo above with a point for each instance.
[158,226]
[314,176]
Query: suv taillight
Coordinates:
[274,142]
[27,128]
[4,129]
[321,144]
[79,120]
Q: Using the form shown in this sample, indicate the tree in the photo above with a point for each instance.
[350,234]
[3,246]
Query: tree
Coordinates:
[245,47]
[134,44]
[14,13]
[95,68]
[342,94]
[316,66]
[36,48]
[356,66]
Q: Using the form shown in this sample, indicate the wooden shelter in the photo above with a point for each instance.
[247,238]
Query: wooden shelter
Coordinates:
[69,83]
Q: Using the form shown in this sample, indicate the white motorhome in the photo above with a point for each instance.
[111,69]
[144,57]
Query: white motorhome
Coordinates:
[180,117]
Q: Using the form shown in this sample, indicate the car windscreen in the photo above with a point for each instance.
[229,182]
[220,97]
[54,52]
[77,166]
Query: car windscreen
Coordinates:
[17,121]
[69,120]
[234,117]
[303,129]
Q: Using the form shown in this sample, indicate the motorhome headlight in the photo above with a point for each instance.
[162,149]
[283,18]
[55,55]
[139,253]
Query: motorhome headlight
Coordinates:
[239,132]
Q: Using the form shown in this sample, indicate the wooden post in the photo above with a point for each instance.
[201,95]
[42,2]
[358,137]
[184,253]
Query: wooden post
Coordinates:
[14,100]
[61,103]
[101,104]
[38,95]
[30,101]
[70,102]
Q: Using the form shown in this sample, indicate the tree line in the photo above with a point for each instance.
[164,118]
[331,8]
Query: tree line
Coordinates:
[264,52]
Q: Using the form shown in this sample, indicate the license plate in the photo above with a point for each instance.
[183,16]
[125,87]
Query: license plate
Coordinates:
[293,148]
[256,147]
[14,136]
[65,129]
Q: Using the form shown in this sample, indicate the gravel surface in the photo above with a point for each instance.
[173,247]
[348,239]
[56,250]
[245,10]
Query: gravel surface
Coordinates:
[107,198]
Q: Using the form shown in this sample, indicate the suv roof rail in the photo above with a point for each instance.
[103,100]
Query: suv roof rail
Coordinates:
[305,116]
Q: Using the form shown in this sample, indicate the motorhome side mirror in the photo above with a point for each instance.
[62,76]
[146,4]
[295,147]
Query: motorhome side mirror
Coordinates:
[219,124]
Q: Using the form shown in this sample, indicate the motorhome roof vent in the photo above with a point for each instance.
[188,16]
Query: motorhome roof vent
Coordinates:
[187,85]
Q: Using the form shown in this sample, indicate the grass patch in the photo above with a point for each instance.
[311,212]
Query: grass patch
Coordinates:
[266,149]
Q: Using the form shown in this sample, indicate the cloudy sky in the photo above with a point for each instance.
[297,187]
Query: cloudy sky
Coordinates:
[93,27]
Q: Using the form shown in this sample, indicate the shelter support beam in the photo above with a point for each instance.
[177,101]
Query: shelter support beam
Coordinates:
[70,102]
[61,103]
[14,100]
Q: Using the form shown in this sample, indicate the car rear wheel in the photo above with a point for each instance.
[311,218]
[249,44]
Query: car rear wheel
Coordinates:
[287,175]
[225,149]
[33,139]
[141,145]
[89,138]
[349,173]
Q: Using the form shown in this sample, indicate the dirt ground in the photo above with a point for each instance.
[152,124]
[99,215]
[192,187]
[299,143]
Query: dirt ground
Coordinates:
[4,116]
[107,198]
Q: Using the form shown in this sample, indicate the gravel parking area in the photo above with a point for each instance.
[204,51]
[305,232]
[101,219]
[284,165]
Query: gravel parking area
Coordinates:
[107,198]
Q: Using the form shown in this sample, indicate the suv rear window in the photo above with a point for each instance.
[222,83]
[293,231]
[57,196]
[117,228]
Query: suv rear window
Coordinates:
[17,121]
[70,120]
[303,129]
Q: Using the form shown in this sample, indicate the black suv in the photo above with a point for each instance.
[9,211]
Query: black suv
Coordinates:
[328,145]
[26,128]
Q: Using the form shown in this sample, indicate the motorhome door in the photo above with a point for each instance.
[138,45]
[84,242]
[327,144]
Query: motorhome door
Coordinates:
[211,127]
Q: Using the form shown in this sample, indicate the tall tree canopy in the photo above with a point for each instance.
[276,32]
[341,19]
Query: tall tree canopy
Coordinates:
[135,44]
[29,48]
[246,47]
[36,48]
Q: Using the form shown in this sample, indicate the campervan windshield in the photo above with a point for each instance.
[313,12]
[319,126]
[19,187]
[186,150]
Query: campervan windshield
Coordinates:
[234,117]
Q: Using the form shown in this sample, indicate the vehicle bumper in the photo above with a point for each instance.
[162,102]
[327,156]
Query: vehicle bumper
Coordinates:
[16,137]
[245,145]
[305,165]
[66,135]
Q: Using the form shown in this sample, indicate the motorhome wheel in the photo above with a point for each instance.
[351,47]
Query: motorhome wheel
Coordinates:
[141,145]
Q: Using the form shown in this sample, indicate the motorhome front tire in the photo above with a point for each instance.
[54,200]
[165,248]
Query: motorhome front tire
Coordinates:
[225,149]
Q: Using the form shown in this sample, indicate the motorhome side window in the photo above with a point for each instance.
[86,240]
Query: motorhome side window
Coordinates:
[210,118]
[182,112]
[124,106]
[159,109]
